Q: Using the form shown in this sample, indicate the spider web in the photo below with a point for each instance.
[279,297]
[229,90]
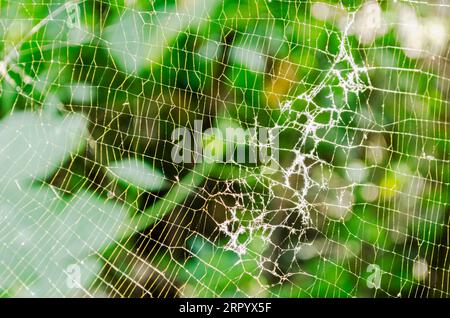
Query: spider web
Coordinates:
[353,96]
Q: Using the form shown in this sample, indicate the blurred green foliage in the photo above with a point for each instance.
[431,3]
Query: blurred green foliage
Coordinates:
[87,116]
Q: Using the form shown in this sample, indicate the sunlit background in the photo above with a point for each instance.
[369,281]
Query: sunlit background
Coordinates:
[93,204]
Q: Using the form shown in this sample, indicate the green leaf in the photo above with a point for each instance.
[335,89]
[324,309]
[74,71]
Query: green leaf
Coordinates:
[231,274]
[33,146]
[138,173]
[44,238]
[139,39]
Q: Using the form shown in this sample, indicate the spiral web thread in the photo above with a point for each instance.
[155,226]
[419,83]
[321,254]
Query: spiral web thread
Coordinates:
[355,92]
